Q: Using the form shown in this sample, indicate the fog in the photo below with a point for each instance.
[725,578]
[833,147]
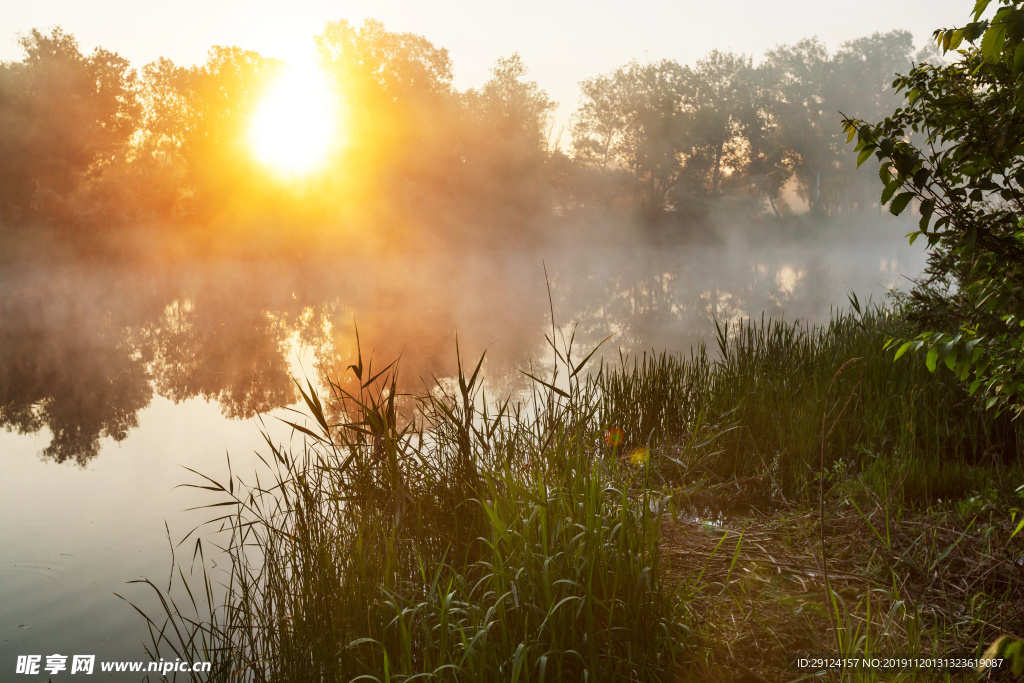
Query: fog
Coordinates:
[94,145]
[163,286]
[148,249]
[85,347]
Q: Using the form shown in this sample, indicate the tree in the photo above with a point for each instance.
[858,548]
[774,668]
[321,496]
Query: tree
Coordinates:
[220,97]
[800,75]
[168,120]
[810,87]
[503,146]
[64,117]
[396,87]
[863,70]
[725,115]
[193,148]
[399,105]
[633,119]
[967,176]
[378,64]
[515,110]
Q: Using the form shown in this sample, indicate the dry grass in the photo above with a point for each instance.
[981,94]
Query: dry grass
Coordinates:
[939,582]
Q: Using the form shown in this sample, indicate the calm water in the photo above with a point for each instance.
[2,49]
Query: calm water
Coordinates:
[114,378]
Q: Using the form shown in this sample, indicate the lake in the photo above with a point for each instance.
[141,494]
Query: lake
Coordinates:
[114,378]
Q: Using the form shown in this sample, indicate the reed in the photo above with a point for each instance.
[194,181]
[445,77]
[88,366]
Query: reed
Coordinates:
[770,381]
[450,537]
[426,537]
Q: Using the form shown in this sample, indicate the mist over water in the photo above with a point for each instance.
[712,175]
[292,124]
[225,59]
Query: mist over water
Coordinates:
[115,375]
[85,347]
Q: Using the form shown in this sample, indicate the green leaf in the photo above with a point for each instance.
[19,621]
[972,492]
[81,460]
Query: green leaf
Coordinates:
[927,208]
[899,203]
[963,367]
[1017,657]
[955,38]
[885,173]
[1020,525]
[864,154]
[890,190]
[904,162]
[933,358]
[951,353]
[992,42]
[1018,57]
[921,177]
[902,350]
[972,31]
[979,8]
[976,351]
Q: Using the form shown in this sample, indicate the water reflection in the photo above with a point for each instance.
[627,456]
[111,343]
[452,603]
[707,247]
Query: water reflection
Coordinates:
[230,354]
[83,350]
[69,368]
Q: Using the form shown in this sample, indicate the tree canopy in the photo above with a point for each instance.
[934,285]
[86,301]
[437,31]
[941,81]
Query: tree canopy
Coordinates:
[63,117]
[89,141]
[955,148]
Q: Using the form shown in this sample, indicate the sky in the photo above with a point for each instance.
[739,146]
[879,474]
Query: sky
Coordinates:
[562,42]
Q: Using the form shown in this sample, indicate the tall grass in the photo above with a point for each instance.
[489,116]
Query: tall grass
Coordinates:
[776,383]
[448,537]
[456,545]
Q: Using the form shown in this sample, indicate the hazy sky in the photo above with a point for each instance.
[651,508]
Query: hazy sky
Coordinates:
[562,42]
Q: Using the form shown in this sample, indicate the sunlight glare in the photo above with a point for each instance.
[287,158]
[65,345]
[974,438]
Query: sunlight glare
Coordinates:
[294,125]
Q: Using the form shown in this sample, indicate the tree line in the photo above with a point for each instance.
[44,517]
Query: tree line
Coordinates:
[87,140]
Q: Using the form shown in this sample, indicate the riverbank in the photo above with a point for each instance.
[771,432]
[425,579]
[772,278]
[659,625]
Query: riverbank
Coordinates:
[701,517]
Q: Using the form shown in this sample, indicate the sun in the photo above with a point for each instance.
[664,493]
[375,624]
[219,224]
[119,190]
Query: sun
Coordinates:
[295,124]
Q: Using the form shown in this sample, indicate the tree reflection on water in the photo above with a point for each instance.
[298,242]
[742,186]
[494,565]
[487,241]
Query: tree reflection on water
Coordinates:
[84,350]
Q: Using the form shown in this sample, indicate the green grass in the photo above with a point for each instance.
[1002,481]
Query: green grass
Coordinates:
[450,544]
[795,395]
[449,537]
